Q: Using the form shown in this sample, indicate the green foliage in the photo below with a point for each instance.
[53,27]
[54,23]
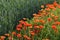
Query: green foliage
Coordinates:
[13,10]
[58,1]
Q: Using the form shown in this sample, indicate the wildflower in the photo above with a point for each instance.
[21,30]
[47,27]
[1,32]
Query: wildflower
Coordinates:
[51,6]
[58,6]
[44,11]
[25,36]
[19,35]
[22,22]
[49,19]
[55,17]
[10,38]
[36,31]
[7,35]
[46,14]
[36,27]
[24,19]
[29,25]
[19,25]
[52,15]
[2,37]
[42,6]
[28,38]
[56,31]
[32,33]
[34,14]
[57,23]
[42,21]
[39,14]
[41,27]
[55,3]
[18,28]
[13,33]
[36,20]
[48,9]
[54,9]
[54,27]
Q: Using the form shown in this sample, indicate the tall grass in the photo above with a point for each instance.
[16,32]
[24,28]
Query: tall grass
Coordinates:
[13,10]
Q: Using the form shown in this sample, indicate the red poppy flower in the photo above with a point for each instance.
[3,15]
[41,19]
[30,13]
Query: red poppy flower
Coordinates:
[19,35]
[14,33]
[48,9]
[19,25]
[57,23]
[2,37]
[18,28]
[41,27]
[28,38]
[28,24]
[42,21]
[22,22]
[49,19]
[58,6]
[51,6]
[54,27]
[32,33]
[55,3]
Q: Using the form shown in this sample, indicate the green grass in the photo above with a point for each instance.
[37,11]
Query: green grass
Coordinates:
[13,10]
